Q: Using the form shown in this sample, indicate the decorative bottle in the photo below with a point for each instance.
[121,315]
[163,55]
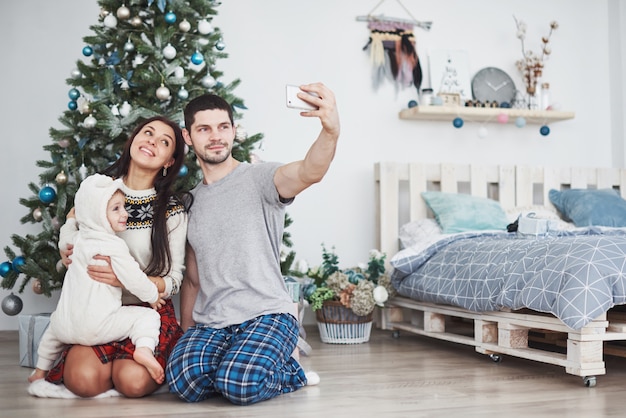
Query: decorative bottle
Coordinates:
[426,98]
[545,102]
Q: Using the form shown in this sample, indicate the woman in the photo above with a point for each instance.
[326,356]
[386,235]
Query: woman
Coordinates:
[156,235]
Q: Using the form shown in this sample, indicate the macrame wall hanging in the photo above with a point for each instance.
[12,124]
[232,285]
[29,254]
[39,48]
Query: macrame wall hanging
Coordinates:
[392,49]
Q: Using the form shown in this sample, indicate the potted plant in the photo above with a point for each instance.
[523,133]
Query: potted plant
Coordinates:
[344,300]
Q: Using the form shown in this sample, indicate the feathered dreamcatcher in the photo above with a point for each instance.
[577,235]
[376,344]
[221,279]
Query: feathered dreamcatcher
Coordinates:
[392,49]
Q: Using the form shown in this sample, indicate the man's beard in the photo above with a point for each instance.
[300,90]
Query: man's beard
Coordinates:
[214,158]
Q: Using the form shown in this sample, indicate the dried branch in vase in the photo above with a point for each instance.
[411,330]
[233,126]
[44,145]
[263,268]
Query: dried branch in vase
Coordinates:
[531,65]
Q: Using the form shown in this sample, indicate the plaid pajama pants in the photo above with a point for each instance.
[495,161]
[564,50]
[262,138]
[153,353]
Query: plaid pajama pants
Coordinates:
[245,363]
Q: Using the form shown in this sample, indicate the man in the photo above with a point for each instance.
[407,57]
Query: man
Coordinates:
[236,312]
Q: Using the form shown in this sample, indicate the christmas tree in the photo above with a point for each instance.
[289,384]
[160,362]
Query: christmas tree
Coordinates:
[145,57]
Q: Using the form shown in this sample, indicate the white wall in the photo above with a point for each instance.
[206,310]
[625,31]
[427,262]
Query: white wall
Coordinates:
[617,65]
[42,41]
[278,42]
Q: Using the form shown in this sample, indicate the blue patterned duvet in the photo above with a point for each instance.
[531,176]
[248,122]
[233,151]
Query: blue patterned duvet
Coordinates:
[575,275]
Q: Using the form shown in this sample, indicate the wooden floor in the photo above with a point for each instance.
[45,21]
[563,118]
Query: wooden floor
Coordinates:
[410,376]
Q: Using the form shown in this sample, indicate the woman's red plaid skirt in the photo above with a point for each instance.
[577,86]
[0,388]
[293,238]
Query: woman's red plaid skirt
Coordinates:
[170,333]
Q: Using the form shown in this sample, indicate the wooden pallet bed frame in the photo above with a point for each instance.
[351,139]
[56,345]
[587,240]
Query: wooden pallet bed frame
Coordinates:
[398,188]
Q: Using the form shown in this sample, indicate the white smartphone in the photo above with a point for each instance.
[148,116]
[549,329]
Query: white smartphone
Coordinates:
[294,102]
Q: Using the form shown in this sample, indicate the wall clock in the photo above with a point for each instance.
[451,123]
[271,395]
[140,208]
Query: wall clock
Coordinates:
[493,85]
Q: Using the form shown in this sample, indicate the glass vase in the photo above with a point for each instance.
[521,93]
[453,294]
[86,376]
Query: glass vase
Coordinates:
[533,102]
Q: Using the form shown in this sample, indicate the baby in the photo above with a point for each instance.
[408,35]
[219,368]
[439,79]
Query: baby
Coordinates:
[91,313]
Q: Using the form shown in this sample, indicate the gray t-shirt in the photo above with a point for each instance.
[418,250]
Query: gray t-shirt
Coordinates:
[235,229]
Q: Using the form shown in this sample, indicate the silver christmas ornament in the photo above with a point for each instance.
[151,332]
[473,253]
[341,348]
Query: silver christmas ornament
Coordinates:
[37,214]
[123,12]
[208,81]
[169,52]
[75,74]
[61,178]
[37,287]
[129,46]
[90,122]
[125,109]
[12,305]
[183,94]
[163,93]
[110,21]
[204,27]
[136,21]
[184,26]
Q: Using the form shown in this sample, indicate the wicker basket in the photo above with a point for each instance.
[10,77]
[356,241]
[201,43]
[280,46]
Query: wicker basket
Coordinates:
[339,325]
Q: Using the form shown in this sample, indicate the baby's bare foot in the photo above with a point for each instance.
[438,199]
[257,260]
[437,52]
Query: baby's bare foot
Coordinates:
[144,356]
[37,374]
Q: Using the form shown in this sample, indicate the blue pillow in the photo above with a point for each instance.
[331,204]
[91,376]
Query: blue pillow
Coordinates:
[583,207]
[458,212]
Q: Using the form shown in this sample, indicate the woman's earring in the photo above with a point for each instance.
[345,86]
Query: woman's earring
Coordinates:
[164,171]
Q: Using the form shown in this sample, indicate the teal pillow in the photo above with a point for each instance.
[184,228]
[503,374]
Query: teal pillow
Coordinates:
[458,212]
[589,207]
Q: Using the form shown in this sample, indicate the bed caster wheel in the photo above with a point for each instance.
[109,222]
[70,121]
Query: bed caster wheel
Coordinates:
[395,334]
[589,381]
[496,358]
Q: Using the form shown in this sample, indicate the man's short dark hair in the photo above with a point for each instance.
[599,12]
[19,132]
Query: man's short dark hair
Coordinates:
[207,101]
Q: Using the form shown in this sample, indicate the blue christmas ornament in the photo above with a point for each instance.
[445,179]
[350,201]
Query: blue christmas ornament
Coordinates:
[73,94]
[183,171]
[220,45]
[47,194]
[170,17]
[5,268]
[197,58]
[87,51]
[457,122]
[412,103]
[544,130]
[505,105]
[72,105]
[520,122]
[18,262]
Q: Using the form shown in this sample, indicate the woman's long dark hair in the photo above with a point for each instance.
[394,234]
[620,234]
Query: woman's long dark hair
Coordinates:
[161,261]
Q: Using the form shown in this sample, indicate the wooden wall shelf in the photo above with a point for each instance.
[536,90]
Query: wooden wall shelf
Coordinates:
[482,114]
